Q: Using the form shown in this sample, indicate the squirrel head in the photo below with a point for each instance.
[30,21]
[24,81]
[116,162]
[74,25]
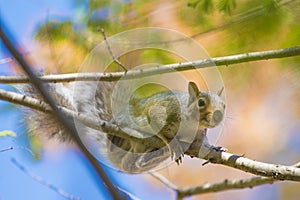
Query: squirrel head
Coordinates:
[207,107]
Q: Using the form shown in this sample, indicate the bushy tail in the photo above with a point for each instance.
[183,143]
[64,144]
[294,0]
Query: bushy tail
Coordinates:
[45,125]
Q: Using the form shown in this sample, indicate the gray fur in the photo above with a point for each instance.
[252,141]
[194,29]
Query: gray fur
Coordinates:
[170,115]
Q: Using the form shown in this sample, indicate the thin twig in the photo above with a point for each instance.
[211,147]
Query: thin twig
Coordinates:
[111,52]
[198,64]
[6,60]
[42,181]
[7,149]
[224,185]
[213,187]
[163,180]
[127,194]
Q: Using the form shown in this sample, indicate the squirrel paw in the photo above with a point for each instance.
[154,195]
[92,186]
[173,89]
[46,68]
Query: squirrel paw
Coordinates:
[176,151]
[218,148]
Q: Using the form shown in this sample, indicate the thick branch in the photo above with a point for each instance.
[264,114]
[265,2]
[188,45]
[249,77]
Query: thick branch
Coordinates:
[211,62]
[208,152]
[279,172]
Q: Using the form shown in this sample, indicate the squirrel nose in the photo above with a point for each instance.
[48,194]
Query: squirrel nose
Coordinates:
[217,116]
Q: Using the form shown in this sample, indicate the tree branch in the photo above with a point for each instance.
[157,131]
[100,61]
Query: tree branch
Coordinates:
[275,171]
[164,180]
[224,185]
[216,187]
[210,62]
[6,149]
[199,149]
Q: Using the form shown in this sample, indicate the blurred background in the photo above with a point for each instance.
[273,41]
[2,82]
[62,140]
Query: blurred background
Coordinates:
[263,111]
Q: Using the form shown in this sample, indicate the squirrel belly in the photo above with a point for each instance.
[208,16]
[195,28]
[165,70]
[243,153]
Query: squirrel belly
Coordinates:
[169,115]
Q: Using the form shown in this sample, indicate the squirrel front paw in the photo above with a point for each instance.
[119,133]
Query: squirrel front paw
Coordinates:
[176,151]
[219,148]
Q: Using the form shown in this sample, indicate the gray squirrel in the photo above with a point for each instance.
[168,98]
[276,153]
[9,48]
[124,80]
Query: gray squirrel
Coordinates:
[170,115]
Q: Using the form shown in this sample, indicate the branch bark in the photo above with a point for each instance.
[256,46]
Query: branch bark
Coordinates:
[132,74]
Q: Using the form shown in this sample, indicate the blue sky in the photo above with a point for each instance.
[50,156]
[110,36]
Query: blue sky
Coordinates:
[21,17]
[65,168]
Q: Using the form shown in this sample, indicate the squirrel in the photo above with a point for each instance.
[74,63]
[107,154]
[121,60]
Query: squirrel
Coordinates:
[170,115]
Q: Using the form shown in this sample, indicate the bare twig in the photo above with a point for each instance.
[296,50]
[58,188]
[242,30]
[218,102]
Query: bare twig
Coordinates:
[212,62]
[111,52]
[6,60]
[213,155]
[127,194]
[7,149]
[43,182]
[213,187]
[224,185]
[163,180]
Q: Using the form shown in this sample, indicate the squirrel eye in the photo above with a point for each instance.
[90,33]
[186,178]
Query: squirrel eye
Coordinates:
[201,103]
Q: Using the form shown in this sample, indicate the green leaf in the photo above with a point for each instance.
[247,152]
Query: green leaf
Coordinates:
[226,6]
[193,3]
[8,133]
[202,5]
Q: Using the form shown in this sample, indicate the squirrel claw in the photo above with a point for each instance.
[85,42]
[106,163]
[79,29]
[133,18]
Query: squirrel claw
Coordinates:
[176,152]
[219,148]
[178,160]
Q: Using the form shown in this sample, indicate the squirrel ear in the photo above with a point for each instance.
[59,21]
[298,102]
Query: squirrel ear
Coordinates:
[219,93]
[193,92]
[193,89]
